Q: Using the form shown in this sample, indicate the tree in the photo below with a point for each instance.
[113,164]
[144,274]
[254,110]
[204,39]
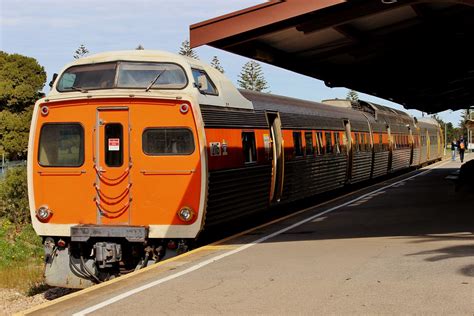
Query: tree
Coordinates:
[21,81]
[186,50]
[352,96]
[462,123]
[14,130]
[217,64]
[140,47]
[452,132]
[81,52]
[252,78]
[14,196]
[446,127]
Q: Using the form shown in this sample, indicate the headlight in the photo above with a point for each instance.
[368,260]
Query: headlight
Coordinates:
[186,214]
[43,213]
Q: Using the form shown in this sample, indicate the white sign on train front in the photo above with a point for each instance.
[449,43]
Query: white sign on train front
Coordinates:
[114,144]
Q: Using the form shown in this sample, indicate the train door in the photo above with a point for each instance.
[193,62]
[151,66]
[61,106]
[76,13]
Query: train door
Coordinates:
[411,143]
[390,148]
[112,165]
[278,159]
[428,145]
[347,128]
[440,143]
[418,146]
[372,149]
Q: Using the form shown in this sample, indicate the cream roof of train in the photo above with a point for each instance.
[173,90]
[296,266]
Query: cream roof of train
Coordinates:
[228,96]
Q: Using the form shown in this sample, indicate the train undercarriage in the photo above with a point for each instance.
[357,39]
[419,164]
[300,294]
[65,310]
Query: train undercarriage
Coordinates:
[94,254]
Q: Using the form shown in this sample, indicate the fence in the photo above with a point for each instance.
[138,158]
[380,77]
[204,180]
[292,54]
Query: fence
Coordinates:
[4,166]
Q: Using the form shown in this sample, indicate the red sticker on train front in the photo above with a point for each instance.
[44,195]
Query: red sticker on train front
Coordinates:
[114,144]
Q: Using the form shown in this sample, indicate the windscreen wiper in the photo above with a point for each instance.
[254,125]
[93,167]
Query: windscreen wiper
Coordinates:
[79,89]
[154,80]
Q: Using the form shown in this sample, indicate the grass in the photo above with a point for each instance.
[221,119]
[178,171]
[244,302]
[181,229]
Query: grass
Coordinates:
[21,256]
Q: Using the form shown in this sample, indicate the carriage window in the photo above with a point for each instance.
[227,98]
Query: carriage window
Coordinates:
[298,144]
[329,148]
[380,146]
[211,88]
[167,141]
[343,141]
[321,148]
[249,147]
[309,143]
[337,146]
[356,141]
[317,149]
[61,145]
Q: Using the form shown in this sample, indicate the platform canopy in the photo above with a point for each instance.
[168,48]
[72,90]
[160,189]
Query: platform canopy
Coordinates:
[416,53]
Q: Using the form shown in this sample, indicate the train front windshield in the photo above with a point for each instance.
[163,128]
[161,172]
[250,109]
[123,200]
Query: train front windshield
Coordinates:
[126,75]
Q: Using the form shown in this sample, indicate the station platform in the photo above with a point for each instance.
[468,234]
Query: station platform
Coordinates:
[401,246]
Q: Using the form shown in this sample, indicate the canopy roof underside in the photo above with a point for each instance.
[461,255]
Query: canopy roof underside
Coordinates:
[416,53]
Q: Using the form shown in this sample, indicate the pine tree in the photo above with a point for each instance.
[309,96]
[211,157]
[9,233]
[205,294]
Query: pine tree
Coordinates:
[252,78]
[217,64]
[186,50]
[81,52]
[353,96]
[140,47]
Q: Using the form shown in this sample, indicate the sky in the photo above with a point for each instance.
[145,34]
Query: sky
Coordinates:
[51,31]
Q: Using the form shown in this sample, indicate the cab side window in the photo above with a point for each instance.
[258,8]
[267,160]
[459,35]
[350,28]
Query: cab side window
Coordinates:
[211,88]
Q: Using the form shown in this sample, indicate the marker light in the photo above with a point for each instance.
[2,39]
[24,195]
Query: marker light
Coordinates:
[186,214]
[44,110]
[44,213]
[184,108]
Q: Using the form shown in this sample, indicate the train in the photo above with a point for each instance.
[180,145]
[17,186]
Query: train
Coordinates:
[133,153]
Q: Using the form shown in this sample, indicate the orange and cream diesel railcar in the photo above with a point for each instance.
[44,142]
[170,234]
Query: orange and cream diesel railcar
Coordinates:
[133,153]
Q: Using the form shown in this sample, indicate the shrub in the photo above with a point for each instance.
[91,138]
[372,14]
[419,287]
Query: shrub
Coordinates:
[14,196]
[21,256]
